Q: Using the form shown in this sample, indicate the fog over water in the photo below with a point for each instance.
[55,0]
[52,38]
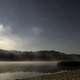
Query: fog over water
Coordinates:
[21,70]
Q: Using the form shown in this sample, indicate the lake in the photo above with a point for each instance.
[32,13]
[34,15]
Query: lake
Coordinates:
[25,69]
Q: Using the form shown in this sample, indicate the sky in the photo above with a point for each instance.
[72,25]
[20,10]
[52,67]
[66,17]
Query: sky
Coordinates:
[33,25]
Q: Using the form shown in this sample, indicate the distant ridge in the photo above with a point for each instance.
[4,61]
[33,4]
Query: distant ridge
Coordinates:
[6,55]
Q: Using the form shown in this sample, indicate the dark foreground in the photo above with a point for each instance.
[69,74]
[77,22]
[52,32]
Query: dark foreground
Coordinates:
[65,75]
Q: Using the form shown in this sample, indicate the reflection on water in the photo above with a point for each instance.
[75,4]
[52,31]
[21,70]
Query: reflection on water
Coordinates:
[28,66]
[19,75]
[13,70]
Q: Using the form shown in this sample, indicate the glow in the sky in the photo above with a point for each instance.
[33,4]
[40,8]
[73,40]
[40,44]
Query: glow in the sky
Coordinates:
[10,41]
[5,40]
[7,44]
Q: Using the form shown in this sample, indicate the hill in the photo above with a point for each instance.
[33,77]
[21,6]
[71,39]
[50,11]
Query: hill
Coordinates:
[45,55]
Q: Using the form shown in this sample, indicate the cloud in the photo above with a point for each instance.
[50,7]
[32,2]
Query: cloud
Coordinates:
[6,41]
[32,41]
[5,30]
[10,41]
[1,28]
[36,31]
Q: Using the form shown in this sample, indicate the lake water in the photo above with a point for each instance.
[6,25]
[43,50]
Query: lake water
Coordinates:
[21,70]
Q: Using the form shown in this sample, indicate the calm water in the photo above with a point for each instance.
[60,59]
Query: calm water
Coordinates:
[16,70]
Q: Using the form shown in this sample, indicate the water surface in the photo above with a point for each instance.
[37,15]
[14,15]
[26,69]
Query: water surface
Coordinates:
[21,70]
[28,66]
